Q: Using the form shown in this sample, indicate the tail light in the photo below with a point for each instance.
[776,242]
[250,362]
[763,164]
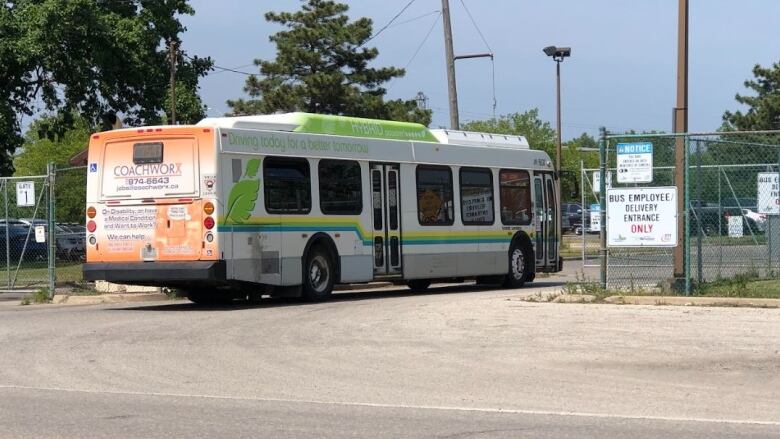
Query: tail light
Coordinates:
[208,208]
[91,212]
[208,223]
[91,226]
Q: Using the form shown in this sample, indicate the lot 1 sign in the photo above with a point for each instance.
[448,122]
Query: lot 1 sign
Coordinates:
[642,217]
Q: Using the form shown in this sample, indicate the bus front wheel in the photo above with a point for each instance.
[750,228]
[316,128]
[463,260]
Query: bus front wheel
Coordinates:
[519,266]
[318,274]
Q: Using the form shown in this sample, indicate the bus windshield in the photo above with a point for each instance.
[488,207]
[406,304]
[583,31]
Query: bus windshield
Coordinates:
[149,169]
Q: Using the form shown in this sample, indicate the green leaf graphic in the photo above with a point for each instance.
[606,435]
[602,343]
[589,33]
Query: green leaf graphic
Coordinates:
[244,194]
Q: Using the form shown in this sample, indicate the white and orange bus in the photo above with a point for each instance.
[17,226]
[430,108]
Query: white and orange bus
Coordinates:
[295,203]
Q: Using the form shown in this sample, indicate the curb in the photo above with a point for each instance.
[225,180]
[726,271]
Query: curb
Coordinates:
[65,299]
[693,301]
[367,286]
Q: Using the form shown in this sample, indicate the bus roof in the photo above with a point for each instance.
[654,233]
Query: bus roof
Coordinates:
[365,128]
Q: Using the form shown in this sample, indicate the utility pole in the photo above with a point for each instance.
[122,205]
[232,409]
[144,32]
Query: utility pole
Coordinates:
[448,51]
[681,126]
[172,47]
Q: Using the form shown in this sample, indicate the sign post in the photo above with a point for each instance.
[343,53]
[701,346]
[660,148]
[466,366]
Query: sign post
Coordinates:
[642,217]
[635,162]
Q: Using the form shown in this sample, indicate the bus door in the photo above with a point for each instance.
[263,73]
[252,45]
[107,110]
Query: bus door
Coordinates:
[546,210]
[386,219]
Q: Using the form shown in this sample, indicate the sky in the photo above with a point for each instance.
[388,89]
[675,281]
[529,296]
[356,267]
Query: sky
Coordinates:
[621,74]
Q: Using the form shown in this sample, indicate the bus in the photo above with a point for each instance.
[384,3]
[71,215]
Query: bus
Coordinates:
[292,204]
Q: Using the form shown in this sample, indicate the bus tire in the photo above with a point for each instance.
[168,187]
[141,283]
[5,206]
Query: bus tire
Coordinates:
[419,285]
[520,265]
[319,274]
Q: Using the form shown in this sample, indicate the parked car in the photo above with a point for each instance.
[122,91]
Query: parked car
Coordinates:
[571,217]
[752,221]
[71,244]
[21,243]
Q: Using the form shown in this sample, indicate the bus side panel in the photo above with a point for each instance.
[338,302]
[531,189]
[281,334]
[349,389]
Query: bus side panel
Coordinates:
[428,251]
[252,237]
[354,246]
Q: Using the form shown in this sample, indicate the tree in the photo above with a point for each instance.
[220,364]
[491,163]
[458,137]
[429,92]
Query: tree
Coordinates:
[541,135]
[38,150]
[89,58]
[321,66]
[764,108]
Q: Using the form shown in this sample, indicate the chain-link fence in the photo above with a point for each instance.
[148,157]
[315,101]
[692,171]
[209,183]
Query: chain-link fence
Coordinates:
[731,199]
[42,235]
[24,237]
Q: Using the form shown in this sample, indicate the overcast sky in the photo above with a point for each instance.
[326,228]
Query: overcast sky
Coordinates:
[621,73]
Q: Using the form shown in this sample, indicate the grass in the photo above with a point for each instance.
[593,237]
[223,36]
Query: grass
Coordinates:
[746,286]
[40,296]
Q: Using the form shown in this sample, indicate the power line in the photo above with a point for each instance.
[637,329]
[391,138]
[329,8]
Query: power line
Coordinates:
[475,26]
[414,19]
[419,47]
[225,69]
[492,60]
[389,23]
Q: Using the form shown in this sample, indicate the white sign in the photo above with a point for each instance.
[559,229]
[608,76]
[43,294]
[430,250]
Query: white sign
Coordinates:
[769,193]
[597,181]
[40,234]
[635,162]
[735,226]
[595,218]
[642,217]
[25,193]
[477,207]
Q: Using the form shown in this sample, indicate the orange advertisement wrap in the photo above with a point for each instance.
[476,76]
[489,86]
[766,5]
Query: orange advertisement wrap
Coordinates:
[149,200]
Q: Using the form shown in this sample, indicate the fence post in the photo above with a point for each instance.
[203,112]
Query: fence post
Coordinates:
[602,204]
[686,201]
[50,178]
[7,239]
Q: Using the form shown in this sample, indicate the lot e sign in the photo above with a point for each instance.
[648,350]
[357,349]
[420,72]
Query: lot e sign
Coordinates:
[642,217]
[635,162]
[25,193]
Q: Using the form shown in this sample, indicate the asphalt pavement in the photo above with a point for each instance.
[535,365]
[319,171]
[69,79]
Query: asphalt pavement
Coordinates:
[458,362]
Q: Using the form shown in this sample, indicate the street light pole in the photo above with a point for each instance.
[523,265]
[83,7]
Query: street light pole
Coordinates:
[558,125]
[558,54]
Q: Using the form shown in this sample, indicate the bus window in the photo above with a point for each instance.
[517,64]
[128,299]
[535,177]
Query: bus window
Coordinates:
[287,185]
[515,197]
[340,187]
[476,196]
[434,196]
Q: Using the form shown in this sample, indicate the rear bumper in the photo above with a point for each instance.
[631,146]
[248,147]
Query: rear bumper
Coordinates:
[156,273]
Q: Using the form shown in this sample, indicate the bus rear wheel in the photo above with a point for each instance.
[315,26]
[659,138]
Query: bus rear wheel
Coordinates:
[519,266]
[318,275]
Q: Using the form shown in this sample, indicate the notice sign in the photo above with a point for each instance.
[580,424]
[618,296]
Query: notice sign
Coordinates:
[735,226]
[25,193]
[769,193]
[635,162]
[642,217]
[595,218]
[40,234]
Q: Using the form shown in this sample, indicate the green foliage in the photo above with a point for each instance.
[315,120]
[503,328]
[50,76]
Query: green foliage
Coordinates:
[763,108]
[88,58]
[541,135]
[39,149]
[243,194]
[321,66]
[38,297]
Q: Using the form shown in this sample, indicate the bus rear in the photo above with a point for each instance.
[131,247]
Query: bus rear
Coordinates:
[152,207]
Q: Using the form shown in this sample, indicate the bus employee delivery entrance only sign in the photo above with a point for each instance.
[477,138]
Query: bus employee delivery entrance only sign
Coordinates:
[642,217]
